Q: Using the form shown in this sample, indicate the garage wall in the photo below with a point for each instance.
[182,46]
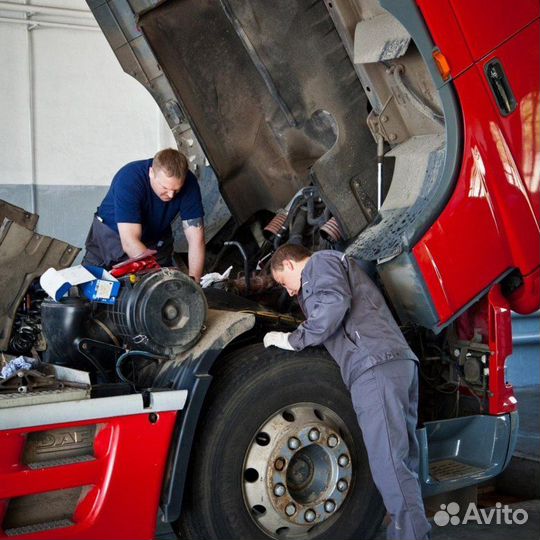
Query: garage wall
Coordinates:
[69,116]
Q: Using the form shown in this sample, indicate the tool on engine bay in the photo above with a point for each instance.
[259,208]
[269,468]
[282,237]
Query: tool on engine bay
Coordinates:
[43,383]
[24,381]
[144,261]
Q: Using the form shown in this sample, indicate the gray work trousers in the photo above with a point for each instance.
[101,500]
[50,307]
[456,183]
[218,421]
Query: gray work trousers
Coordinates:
[385,398]
[104,247]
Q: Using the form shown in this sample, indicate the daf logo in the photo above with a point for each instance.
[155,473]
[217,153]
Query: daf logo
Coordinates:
[63,439]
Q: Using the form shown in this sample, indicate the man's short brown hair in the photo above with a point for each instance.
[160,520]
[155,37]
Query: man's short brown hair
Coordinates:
[290,252]
[171,162]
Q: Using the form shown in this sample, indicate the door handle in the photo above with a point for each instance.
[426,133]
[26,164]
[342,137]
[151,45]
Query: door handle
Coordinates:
[500,87]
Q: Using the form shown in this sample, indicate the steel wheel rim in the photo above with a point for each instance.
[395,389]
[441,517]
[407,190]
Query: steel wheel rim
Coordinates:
[297,470]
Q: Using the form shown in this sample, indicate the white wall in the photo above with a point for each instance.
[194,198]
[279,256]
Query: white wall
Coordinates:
[69,117]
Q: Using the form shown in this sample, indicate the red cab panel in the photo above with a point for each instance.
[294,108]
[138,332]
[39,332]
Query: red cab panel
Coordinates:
[490,225]
[487,24]
[84,479]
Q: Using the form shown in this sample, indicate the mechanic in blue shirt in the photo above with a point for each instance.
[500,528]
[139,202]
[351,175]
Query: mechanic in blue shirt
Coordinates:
[136,214]
[347,314]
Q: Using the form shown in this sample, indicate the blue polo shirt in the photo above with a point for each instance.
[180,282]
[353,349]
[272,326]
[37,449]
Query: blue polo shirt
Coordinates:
[131,199]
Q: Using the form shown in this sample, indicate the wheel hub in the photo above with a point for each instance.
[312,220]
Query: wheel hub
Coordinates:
[300,471]
[297,470]
[309,474]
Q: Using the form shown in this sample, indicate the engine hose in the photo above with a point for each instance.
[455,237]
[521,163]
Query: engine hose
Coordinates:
[297,226]
[331,230]
[280,225]
[293,209]
[311,219]
[275,226]
[127,354]
[245,259]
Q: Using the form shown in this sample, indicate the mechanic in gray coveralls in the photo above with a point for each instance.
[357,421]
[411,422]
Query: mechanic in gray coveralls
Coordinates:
[347,314]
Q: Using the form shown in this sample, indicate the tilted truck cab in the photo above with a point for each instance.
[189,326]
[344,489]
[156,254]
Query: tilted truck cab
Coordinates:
[403,133]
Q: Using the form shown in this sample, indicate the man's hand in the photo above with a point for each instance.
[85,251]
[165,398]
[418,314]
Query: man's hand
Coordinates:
[278,339]
[212,277]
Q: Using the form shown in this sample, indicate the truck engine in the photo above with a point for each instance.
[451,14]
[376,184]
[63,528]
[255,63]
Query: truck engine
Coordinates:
[384,129]
[159,314]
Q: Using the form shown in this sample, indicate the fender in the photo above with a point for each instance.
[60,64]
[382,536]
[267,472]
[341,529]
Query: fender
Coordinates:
[190,371]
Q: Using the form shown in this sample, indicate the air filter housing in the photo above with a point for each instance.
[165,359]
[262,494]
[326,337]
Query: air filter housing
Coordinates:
[163,312]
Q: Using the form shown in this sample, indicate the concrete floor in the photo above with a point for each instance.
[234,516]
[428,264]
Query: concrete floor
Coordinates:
[528,531]
[522,476]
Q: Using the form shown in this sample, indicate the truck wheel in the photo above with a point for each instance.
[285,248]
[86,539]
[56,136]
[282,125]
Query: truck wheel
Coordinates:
[279,454]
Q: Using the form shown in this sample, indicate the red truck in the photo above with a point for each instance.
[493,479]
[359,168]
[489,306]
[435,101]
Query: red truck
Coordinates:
[404,133]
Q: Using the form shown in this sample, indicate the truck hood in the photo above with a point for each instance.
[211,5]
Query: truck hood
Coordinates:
[285,94]
[268,89]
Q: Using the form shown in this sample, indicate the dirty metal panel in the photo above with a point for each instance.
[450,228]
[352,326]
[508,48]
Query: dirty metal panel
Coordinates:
[18,215]
[301,116]
[24,256]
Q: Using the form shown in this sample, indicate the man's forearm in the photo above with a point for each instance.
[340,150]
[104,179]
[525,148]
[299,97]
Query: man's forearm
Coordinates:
[194,231]
[330,308]
[130,236]
[196,255]
[133,248]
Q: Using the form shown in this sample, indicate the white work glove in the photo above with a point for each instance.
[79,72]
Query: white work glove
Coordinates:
[212,277]
[278,339]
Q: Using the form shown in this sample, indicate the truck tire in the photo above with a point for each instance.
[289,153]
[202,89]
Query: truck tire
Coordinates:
[278,452]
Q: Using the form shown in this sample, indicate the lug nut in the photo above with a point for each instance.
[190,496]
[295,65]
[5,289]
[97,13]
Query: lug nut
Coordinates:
[279,464]
[279,490]
[332,441]
[329,506]
[314,435]
[343,460]
[290,509]
[294,443]
[342,485]
[310,516]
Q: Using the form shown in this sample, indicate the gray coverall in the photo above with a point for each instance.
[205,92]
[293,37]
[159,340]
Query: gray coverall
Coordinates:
[347,314]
